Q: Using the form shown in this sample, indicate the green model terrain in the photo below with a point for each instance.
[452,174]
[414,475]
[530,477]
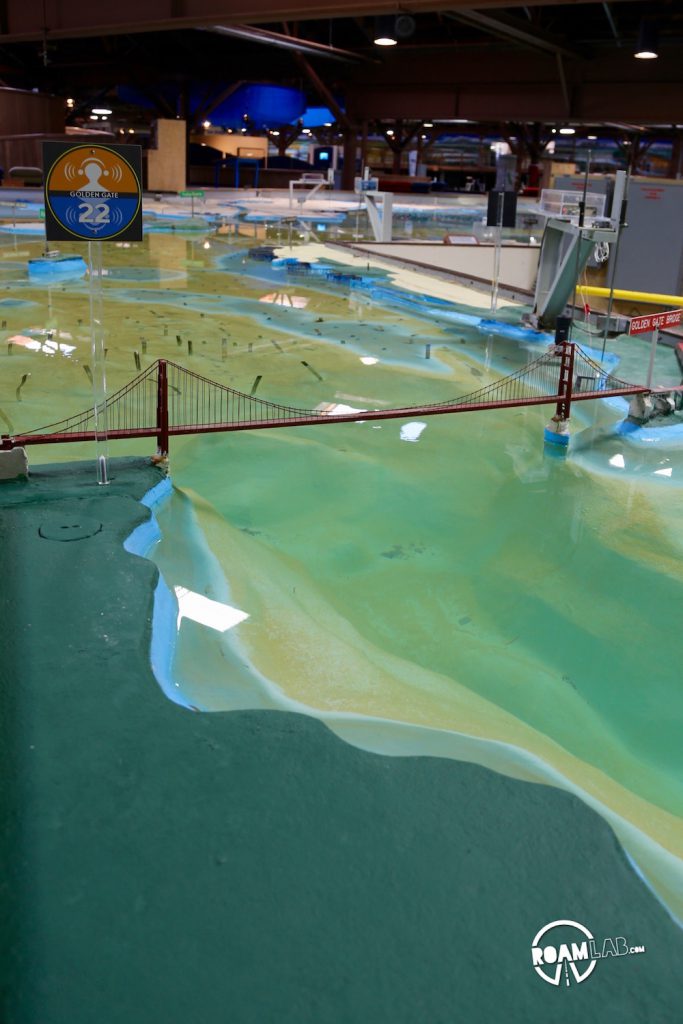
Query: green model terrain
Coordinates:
[162,865]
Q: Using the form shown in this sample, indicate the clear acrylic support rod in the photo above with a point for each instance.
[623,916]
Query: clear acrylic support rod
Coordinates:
[653,353]
[496,254]
[99,375]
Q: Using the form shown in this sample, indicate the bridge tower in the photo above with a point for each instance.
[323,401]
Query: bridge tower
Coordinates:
[556,432]
[162,410]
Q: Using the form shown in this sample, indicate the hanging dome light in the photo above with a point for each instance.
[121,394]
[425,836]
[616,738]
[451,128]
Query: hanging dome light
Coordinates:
[385,34]
[648,42]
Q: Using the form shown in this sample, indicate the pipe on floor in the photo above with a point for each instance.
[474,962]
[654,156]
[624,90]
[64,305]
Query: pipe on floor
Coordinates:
[619,293]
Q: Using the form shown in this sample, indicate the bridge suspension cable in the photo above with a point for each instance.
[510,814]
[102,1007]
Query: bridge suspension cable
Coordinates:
[168,399]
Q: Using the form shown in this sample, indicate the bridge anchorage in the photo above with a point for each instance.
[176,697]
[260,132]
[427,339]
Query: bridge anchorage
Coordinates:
[166,400]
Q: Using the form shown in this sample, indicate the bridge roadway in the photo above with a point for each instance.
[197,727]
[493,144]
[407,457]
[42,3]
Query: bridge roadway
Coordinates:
[168,400]
[406,412]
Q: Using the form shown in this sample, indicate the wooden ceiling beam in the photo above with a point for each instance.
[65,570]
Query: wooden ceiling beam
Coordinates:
[64,19]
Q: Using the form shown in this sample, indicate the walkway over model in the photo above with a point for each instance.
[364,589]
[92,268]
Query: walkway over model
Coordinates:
[167,399]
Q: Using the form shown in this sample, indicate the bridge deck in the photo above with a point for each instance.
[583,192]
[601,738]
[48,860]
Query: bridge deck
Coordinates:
[406,412]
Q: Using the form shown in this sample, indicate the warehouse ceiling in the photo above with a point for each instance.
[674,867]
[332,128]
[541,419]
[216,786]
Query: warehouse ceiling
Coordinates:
[484,63]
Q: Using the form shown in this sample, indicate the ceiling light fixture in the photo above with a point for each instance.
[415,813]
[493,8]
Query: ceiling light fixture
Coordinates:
[427,124]
[648,42]
[567,130]
[104,111]
[385,33]
[592,138]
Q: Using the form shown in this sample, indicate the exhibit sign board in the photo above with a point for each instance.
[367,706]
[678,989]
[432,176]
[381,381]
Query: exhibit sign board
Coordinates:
[655,321]
[93,193]
[652,324]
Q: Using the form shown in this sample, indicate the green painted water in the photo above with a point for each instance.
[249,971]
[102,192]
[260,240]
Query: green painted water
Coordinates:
[463,581]
[550,590]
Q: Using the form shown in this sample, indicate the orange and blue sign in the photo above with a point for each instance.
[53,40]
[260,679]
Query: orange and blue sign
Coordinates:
[92,192]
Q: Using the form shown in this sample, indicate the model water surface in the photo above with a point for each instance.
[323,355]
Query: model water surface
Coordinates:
[445,576]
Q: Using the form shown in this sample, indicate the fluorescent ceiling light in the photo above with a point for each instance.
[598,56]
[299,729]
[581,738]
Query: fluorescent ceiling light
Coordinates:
[412,431]
[101,110]
[567,131]
[213,614]
[337,409]
[284,299]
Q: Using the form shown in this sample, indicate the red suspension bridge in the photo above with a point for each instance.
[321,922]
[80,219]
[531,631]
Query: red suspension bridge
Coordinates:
[166,400]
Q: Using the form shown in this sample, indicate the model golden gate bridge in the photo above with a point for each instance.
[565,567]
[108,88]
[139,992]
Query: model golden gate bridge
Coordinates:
[166,400]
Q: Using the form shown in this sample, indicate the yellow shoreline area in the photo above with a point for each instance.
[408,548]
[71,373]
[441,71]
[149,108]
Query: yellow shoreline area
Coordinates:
[314,657]
[415,281]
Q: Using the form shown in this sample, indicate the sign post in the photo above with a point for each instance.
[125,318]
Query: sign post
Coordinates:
[192,194]
[93,193]
[652,323]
